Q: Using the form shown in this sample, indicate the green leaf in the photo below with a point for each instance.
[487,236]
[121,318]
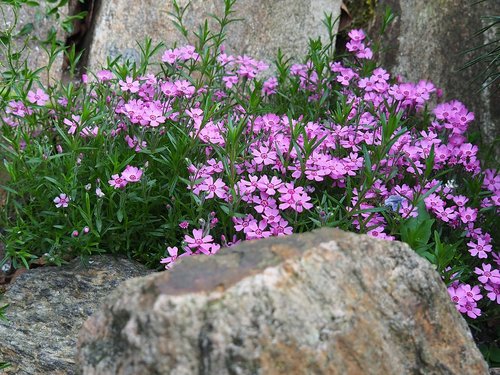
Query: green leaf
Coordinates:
[119,215]
[26,29]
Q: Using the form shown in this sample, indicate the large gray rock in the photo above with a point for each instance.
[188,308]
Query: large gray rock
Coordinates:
[427,41]
[267,26]
[47,307]
[326,302]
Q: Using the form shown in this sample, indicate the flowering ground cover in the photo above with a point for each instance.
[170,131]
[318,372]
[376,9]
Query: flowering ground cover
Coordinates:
[216,149]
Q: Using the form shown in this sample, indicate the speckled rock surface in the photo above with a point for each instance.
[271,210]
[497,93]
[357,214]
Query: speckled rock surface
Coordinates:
[427,41]
[47,307]
[33,52]
[268,25]
[326,302]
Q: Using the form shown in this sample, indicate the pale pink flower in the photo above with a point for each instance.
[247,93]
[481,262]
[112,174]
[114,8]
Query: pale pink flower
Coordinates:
[62,201]
[39,97]
[132,174]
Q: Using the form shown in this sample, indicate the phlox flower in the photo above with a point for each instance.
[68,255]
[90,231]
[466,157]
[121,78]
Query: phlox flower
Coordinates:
[135,143]
[263,201]
[486,275]
[73,123]
[169,261]
[39,97]
[406,209]
[154,116]
[281,228]
[364,52]
[471,293]
[357,35]
[105,75]
[272,215]
[258,230]
[18,108]
[264,156]
[457,295]
[270,86]
[494,292]
[117,182]
[199,242]
[129,85]
[230,80]
[62,200]
[480,248]
[378,232]
[269,186]
[170,56]
[214,188]
[185,88]
[467,214]
[471,309]
[132,174]
[243,224]
[302,203]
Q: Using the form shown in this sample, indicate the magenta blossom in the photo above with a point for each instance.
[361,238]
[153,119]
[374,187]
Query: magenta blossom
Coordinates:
[117,182]
[199,241]
[487,275]
[169,261]
[494,292]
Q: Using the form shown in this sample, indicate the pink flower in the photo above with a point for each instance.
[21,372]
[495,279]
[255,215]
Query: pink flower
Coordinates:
[104,75]
[73,123]
[213,188]
[480,248]
[457,295]
[407,209]
[472,294]
[170,56]
[471,309]
[243,224]
[62,200]
[169,261]
[132,174]
[281,228]
[199,241]
[269,186]
[270,86]
[129,85]
[264,156]
[467,214]
[487,275]
[357,35]
[39,97]
[258,230]
[117,182]
[494,292]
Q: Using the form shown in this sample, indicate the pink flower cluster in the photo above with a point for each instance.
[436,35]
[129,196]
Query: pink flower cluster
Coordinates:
[357,45]
[129,175]
[287,166]
[465,297]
